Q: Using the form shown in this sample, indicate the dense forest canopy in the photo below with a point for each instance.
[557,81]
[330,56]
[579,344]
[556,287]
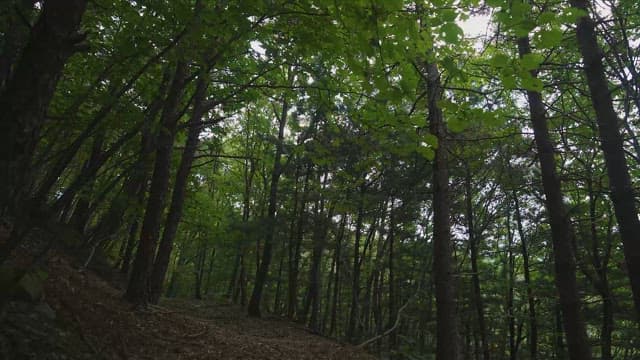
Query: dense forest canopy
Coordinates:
[364,167]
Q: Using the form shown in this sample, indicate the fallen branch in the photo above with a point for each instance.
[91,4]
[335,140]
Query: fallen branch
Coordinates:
[389,331]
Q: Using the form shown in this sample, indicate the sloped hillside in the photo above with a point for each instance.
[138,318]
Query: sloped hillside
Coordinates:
[82,316]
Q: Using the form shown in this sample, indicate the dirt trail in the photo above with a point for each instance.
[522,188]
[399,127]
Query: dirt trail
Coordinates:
[90,321]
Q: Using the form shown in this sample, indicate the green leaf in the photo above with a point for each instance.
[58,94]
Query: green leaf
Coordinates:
[427,152]
[531,83]
[456,124]
[550,38]
[495,3]
[547,17]
[572,15]
[524,27]
[531,61]
[448,15]
[500,60]
[451,33]
[447,105]
[431,140]
[509,81]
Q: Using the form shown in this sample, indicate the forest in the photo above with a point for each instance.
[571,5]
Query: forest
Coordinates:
[431,179]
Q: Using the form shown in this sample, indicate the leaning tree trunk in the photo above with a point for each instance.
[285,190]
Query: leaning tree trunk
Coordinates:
[179,188]
[24,102]
[562,234]
[611,142]
[447,342]
[18,14]
[138,288]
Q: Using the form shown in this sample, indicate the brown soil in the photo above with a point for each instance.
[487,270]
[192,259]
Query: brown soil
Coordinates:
[93,322]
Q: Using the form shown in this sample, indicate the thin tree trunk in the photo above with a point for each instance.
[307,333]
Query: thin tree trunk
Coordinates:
[533,322]
[355,285]
[261,276]
[294,248]
[315,275]
[509,269]
[475,273]
[276,300]
[336,287]
[81,214]
[611,142]
[601,264]
[207,283]
[393,311]
[562,234]
[328,292]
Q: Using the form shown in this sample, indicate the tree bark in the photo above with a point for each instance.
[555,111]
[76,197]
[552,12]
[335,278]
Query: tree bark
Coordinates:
[179,189]
[562,234]
[533,322]
[475,273]
[447,342]
[355,285]
[261,276]
[611,142]
[296,243]
[24,102]
[138,288]
[336,286]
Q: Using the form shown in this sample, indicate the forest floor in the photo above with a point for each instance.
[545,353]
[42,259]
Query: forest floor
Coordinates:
[83,316]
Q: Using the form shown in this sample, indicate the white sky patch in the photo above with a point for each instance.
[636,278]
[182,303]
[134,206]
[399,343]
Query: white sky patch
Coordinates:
[476,26]
[257,47]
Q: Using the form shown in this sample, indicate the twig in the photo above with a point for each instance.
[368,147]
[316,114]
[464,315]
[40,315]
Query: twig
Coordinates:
[198,334]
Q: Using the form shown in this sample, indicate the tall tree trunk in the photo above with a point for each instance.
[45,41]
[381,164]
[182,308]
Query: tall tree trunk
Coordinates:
[328,292]
[141,177]
[295,245]
[611,142]
[509,270]
[261,276]
[533,322]
[562,234]
[355,285]
[393,310]
[336,287]
[179,189]
[24,102]
[475,273]
[276,300]
[138,288]
[199,270]
[315,275]
[249,172]
[448,342]
[600,264]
